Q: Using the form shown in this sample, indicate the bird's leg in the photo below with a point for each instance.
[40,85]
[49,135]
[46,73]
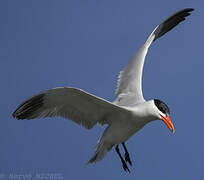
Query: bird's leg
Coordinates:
[127,157]
[125,167]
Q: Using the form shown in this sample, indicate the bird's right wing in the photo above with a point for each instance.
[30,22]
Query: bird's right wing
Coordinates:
[129,89]
[83,108]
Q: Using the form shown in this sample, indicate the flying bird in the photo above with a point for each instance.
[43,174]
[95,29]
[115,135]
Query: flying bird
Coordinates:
[125,116]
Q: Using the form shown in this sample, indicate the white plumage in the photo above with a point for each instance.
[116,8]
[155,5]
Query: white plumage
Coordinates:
[124,117]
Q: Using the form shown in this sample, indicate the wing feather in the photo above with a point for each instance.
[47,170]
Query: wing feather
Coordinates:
[70,103]
[129,87]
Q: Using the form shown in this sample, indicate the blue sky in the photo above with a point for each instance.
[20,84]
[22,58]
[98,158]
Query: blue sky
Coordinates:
[46,44]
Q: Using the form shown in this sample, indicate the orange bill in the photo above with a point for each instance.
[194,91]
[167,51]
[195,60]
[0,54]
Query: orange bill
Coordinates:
[168,122]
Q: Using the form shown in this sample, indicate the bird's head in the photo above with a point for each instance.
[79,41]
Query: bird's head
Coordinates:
[163,113]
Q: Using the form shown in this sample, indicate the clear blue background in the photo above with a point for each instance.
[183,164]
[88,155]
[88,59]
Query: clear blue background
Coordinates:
[46,44]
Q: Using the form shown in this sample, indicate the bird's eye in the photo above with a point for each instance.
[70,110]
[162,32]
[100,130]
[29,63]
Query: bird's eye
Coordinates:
[162,109]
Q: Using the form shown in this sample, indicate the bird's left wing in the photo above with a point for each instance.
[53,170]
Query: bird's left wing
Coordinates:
[71,103]
[129,90]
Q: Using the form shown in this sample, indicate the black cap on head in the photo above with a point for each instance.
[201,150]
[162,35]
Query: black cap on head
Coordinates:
[162,106]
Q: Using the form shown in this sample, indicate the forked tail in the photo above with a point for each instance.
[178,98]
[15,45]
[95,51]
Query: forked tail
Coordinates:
[101,149]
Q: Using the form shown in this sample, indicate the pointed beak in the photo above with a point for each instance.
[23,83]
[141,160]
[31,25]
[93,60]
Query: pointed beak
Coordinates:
[168,122]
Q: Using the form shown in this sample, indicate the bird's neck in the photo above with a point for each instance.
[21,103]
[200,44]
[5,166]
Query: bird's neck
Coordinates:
[145,111]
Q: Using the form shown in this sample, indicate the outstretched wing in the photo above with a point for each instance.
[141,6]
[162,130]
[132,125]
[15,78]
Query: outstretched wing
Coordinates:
[129,90]
[71,103]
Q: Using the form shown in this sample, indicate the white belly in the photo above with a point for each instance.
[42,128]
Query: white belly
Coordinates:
[122,130]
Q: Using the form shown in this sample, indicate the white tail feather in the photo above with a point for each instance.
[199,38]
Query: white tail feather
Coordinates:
[101,149]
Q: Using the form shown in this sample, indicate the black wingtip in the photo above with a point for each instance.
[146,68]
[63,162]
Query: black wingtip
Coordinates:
[29,107]
[171,22]
[188,9]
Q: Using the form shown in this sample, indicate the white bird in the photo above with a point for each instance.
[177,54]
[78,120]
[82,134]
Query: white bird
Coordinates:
[124,117]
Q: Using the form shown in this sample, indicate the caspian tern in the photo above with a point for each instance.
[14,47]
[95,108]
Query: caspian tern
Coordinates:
[124,116]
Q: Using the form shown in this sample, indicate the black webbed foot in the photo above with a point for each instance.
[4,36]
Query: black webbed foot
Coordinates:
[127,156]
[125,167]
